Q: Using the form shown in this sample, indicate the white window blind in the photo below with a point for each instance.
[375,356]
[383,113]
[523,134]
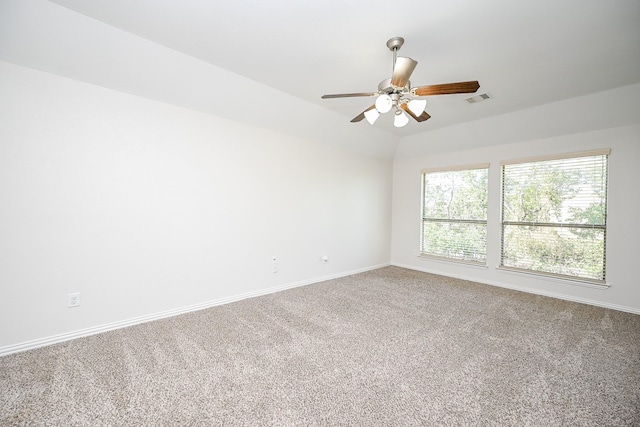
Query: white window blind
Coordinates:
[554,215]
[454,213]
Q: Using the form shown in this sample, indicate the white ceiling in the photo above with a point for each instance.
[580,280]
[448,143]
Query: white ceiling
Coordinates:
[525,53]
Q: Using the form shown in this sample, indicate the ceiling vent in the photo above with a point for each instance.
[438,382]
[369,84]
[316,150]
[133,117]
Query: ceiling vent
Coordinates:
[478,98]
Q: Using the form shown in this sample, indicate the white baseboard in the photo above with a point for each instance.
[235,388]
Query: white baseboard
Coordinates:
[29,345]
[523,289]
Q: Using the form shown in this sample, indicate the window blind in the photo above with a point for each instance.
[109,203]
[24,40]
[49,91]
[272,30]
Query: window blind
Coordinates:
[454,213]
[554,215]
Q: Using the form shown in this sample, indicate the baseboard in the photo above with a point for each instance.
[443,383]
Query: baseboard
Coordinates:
[42,342]
[523,289]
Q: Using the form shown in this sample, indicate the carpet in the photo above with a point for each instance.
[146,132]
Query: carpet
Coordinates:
[389,347]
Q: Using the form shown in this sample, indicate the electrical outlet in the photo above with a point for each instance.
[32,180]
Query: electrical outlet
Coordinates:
[325,259]
[274,262]
[74,299]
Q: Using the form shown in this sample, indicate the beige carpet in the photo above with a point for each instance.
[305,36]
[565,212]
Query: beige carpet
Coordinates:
[386,347]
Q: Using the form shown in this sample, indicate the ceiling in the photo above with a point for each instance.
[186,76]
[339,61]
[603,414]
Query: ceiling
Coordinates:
[524,53]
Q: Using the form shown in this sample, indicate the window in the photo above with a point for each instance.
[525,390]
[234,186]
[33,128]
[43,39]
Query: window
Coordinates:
[554,215]
[454,213]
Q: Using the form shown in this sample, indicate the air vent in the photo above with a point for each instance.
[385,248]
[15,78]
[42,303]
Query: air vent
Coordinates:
[478,98]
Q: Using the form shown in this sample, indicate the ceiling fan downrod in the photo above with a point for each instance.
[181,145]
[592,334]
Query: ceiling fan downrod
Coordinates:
[394,44]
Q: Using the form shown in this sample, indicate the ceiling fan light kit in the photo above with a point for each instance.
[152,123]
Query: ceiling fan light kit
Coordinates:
[371,115]
[400,119]
[384,103]
[417,106]
[396,92]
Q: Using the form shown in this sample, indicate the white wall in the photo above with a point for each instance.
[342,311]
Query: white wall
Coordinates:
[623,200]
[145,208]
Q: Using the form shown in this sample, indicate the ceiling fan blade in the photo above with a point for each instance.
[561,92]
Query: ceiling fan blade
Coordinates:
[360,116]
[447,88]
[402,71]
[421,118]
[349,95]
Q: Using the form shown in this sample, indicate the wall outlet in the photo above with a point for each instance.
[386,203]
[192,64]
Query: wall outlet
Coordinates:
[74,299]
[325,259]
[274,263]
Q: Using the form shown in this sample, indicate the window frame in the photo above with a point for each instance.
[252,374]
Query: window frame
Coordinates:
[603,227]
[424,219]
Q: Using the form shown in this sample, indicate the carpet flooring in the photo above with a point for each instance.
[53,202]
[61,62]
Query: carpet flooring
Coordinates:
[389,347]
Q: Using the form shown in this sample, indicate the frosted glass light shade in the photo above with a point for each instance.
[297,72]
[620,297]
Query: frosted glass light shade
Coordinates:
[400,120]
[417,106]
[371,115]
[383,103]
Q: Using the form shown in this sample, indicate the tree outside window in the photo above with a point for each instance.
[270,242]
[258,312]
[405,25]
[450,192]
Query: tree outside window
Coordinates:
[554,215]
[454,214]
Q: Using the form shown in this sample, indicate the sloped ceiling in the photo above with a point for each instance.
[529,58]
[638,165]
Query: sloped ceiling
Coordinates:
[524,53]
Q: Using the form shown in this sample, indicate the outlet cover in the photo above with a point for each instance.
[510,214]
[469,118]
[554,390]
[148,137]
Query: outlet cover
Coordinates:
[74,299]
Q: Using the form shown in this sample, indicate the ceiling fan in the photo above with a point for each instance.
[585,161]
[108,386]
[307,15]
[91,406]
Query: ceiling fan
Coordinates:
[396,93]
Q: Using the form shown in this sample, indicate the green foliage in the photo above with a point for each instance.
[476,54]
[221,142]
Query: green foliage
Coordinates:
[454,240]
[555,250]
[456,195]
[451,197]
[538,194]
[561,192]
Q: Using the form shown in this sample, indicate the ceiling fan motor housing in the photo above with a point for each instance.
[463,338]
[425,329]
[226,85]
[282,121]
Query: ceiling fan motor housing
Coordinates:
[385,86]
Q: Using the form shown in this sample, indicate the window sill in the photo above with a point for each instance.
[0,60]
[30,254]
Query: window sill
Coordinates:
[556,278]
[425,257]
